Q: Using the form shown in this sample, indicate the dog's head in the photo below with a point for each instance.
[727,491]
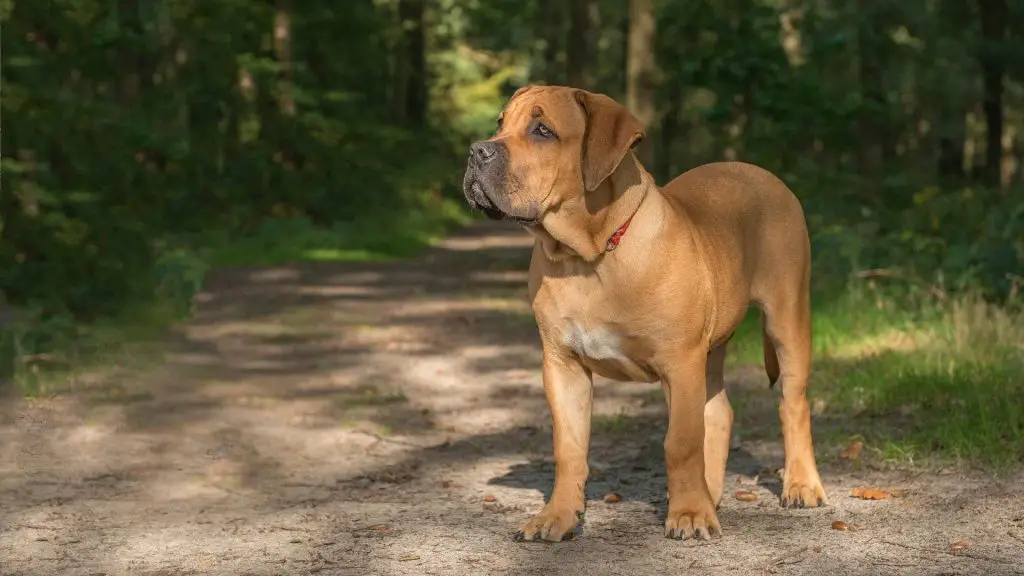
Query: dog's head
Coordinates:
[552,144]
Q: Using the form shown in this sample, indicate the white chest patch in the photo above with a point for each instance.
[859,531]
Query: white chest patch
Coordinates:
[595,343]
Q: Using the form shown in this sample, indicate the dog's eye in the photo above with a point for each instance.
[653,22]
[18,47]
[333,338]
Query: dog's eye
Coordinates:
[543,131]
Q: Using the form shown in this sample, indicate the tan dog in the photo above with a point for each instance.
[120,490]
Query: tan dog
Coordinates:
[641,283]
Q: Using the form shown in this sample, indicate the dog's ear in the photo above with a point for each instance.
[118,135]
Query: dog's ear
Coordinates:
[611,131]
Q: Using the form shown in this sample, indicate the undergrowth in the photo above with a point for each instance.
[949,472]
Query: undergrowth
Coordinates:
[40,351]
[919,379]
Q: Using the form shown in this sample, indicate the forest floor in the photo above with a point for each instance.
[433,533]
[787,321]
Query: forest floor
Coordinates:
[389,418]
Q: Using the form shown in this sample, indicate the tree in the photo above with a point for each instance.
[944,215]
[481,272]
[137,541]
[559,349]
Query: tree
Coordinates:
[994,15]
[875,145]
[283,54]
[552,31]
[641,70]
[580,49]
[411,15]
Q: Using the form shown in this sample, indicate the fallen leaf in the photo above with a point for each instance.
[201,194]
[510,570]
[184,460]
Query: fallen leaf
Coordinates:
[853,450]
[747,480]
[745,496]
[396,477]
[817,548]
[959,546]
[612,498]
[840,525]
[409,558]
[380,528]
[491,503]
[869,494]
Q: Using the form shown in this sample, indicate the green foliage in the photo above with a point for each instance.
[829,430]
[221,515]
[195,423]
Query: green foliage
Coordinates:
[132,131]
[145,143]
[919,379]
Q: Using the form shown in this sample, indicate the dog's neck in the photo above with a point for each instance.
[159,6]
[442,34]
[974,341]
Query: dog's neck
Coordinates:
[582,227]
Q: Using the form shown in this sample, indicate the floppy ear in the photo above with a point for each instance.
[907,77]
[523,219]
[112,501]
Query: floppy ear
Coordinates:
[612,130]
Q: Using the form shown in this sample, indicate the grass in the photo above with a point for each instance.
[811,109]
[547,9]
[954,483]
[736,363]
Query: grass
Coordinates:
[921,381]
[291,240]
[49,356]
[77,354]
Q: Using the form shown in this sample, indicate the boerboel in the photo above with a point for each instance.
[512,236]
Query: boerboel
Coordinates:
[637,282]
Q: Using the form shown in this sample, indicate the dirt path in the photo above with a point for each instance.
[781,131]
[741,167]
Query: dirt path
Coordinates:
[351,419]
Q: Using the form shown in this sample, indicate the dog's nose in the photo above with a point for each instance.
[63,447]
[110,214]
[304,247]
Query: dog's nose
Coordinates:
[483,152]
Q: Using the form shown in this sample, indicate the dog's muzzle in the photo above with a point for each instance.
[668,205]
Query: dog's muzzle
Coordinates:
[484,179]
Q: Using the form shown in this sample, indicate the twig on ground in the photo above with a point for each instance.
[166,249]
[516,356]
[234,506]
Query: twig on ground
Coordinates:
[877,562]
[288,528]
[935,291]
[791,557]
[948,553]
[400,442]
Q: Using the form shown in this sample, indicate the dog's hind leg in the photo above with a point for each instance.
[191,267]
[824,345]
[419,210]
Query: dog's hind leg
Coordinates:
[788,324]
[717,424]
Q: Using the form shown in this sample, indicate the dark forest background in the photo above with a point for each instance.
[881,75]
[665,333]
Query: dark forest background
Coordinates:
[146,141]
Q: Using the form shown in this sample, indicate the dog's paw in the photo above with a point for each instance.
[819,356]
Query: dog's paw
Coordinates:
[692,518]
[802,491]
[553,524]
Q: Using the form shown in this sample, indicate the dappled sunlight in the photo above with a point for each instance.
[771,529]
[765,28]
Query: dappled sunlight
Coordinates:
[277,426]
[890,340]
[507,239]
[274,275]
[503,276]
[240,333]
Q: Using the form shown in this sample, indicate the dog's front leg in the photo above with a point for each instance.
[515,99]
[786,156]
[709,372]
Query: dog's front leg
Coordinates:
[569,389]
[691,510]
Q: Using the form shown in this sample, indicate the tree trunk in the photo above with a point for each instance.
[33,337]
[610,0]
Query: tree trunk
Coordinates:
[952,130]
[129,58]
[579,48]
[283,54]
[410,13]
[669,130]
[993,68]
[553,31]
[951,100]
[870,155]
[641,70]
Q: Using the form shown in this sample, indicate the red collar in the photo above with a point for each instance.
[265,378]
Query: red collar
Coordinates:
[614,239]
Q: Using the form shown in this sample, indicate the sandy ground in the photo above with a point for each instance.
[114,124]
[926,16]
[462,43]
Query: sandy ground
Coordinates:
[388,418]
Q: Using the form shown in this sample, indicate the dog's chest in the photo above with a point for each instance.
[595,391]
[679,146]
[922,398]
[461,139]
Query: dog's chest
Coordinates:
[595,342]
[606,351]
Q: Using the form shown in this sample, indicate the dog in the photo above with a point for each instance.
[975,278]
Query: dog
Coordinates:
[637,282]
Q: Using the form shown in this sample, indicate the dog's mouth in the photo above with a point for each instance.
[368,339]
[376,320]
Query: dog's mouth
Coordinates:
[479,200]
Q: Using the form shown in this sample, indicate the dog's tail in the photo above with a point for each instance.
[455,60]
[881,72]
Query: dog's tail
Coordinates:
[771,358]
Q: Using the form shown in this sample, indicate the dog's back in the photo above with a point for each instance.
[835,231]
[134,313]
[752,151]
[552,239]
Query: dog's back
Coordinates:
[751,215]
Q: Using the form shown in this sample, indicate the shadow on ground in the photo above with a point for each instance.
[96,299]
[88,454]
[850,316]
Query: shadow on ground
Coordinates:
[351,418]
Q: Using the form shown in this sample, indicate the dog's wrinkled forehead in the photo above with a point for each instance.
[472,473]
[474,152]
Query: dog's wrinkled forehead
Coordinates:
[556,104]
